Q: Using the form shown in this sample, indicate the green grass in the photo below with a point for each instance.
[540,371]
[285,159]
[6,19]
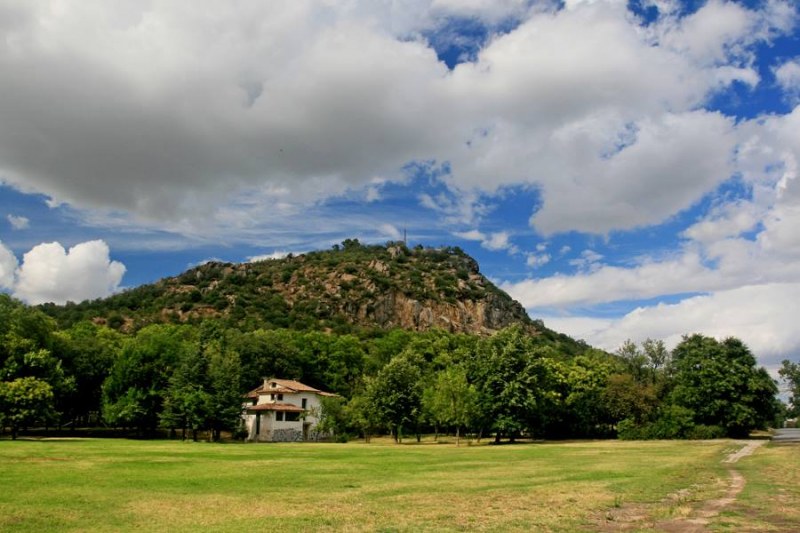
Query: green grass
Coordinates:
[113,485]
[770,500]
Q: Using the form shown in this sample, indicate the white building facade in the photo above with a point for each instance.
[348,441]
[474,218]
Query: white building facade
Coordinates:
[283,410]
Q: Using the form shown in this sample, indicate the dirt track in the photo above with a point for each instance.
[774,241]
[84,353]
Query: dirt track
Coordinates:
[633,517]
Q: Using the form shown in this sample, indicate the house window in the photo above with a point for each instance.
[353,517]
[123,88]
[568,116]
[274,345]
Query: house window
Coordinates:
[305,402]
[280,397]
[279,416]
[292,417]
[271,396]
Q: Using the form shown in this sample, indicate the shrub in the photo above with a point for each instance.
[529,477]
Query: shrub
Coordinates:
[704,432]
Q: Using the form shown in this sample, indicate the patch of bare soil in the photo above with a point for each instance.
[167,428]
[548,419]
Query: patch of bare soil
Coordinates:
[685,517]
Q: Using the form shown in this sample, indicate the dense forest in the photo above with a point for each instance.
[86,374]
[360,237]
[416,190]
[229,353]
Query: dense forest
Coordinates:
[189,378]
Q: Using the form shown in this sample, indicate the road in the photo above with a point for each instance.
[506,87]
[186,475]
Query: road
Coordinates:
[786,436]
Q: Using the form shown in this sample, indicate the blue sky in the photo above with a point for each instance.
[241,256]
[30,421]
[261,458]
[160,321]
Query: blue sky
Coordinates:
[623,169]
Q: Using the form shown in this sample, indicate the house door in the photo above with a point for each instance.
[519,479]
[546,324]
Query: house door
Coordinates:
[306,430]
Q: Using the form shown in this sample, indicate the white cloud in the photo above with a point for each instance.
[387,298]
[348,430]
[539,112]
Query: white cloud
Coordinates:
[277,254]
[492,241]
[603,283]
[390,231]
[763,316]
[49,273]
[177,114]
[18,222]
[537,260]
[588,261]
[788,78]
[8,266]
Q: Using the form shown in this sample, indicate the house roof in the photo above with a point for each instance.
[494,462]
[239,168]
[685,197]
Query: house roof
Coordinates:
[284,386]
[292,385]
[285,407]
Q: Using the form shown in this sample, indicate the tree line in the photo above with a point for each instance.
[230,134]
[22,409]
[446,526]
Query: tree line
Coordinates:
[189,380]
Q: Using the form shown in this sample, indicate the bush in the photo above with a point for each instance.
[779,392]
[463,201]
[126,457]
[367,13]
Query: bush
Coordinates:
[628,430]
[704,432]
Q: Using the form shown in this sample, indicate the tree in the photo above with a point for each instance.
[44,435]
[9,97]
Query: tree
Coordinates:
[396,394]
[88,353]
[720,383]
[133,393]
[790,374]
[451,400]
[25,401]
[333,417]
[362,412]
[186,398]
[585,411]
[225,402]
[518,384]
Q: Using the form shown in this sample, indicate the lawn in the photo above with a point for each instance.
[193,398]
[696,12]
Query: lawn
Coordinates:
[114,484]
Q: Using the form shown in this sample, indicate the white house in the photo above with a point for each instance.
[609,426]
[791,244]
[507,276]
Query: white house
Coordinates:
[283,410]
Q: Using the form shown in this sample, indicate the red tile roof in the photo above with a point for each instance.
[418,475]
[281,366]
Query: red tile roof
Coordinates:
[284,386]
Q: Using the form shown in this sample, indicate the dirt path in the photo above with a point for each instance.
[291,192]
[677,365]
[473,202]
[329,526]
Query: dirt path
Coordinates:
[631,517]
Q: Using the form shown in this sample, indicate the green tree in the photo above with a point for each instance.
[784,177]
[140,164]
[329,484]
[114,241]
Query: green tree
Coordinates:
[396,394]
[333,417]
[585,413]
[720,383]
[790,374]
[451,400]
[133,393]
[225,402]
[186,400]
[518,384]
[25,401]
[88,353]
[362,412]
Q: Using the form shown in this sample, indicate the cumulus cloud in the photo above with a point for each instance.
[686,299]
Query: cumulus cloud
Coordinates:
[763,316]
[537,260]
[176,114]
[49,273]
[499,240]
[18,221]
[788,78]
[8,266]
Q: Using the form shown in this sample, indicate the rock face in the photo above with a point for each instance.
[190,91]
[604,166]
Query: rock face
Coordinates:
[352,285]
[396,310]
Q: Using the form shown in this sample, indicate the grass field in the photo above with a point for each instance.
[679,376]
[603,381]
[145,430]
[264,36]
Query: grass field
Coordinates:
[115,485]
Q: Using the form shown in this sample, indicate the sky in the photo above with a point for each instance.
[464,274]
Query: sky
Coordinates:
[624,169]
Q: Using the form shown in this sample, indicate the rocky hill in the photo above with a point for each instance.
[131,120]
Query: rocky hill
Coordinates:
[350,286]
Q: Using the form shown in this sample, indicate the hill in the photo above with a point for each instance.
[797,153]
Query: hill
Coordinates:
[352,286]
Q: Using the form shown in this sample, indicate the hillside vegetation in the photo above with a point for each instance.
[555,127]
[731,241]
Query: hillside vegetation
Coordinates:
[350,287]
